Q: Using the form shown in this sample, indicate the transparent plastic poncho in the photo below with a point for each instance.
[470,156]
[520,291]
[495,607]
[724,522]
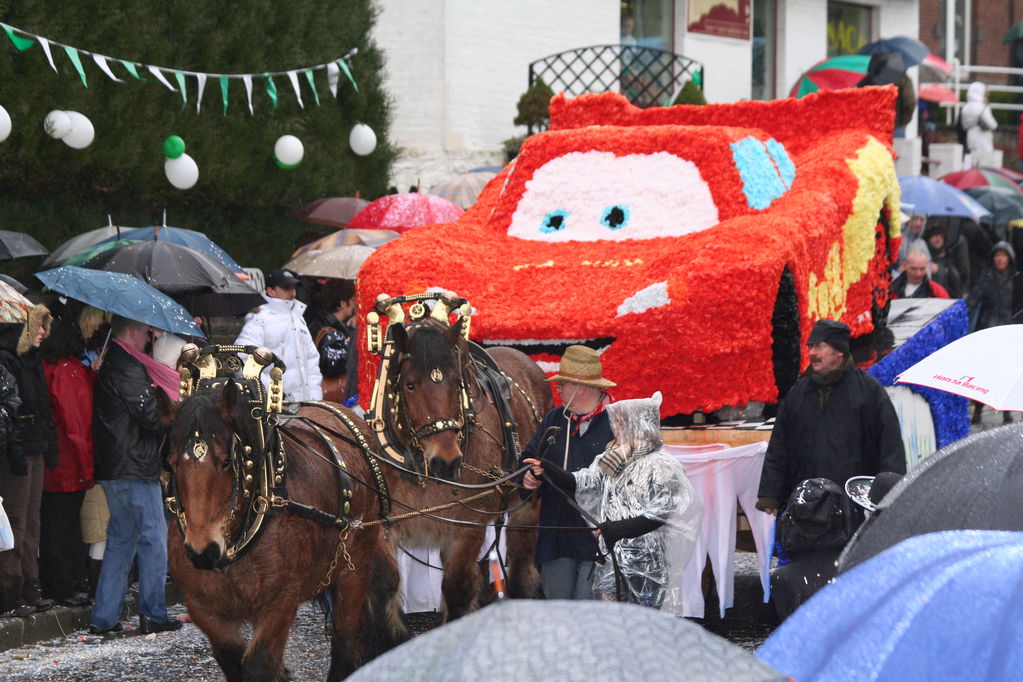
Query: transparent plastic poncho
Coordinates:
[642,479]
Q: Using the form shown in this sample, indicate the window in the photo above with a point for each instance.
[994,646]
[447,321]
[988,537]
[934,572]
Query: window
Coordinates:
[850,27]
[765,31]
[648,23]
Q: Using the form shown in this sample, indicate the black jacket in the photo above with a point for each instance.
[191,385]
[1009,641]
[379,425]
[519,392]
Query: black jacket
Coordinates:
[855,433]
[127,426]
[554,511]
[34,433]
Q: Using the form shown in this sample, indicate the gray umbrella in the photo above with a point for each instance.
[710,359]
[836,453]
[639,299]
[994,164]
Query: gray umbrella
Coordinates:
[19,245]
[567,640]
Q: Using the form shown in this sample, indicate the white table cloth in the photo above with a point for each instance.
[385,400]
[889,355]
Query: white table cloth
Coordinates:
[422,573]
[724,477]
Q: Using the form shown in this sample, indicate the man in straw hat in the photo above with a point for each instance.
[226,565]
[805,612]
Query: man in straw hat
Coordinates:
[571,435]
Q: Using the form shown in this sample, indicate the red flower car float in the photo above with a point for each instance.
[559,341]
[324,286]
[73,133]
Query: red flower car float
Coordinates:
[693,246]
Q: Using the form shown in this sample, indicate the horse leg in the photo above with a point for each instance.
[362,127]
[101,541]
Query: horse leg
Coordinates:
[367,616]
[462,579]
[264,658]
[225,639]
[523,578]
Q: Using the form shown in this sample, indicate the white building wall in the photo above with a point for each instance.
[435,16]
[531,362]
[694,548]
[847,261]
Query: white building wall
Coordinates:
[727,65]
[456,69]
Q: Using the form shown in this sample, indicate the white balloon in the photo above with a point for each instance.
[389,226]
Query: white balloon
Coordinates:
[81,134]
[362,139]
[182,172]
[5,124]
[57,124]
[289,150]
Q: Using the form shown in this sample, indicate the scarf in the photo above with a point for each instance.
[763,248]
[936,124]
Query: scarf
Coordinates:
[163,376]
[577,420]
[613,461]
[823,381]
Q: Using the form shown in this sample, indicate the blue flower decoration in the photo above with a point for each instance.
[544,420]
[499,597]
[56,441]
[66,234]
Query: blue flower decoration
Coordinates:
[762,180]
[781,159]
[615,217]
[554,221]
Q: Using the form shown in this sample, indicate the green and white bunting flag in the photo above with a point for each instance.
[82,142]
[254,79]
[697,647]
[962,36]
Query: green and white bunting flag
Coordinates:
[23,40]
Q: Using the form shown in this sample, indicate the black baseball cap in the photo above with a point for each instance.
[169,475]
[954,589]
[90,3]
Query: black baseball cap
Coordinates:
[835,334]
[285,279]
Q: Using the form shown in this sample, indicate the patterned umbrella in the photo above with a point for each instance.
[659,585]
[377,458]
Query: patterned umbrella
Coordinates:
[462,189]
[83,257]
[332,211]
[13,306]
[981,177]
[123,295]
[832,74]
[401,212]
[349,237]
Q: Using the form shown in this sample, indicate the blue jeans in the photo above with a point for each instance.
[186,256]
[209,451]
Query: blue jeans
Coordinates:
[566,578]
[137,525]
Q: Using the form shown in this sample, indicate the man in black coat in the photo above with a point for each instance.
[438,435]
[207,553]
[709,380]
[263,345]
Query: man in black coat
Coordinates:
[128,431]
[837,422]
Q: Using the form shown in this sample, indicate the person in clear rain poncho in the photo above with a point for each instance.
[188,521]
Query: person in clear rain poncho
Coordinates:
[650,512]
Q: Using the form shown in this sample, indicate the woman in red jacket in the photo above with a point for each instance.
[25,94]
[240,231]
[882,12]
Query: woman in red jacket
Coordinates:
[61,551]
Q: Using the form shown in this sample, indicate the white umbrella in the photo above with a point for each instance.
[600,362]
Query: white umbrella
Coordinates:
[985,366]
[341,262]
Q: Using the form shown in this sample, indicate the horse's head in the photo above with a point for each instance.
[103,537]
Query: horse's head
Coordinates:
[434,367]
[208,431]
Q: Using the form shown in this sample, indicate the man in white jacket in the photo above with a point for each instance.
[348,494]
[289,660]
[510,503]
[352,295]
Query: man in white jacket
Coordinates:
[279,326]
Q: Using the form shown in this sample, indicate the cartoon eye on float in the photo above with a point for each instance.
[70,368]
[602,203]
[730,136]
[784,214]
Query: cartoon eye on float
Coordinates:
[554,221]
[615,217]
[609,197]
[766,170]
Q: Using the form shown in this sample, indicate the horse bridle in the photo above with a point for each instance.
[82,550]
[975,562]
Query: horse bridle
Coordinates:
[258,479]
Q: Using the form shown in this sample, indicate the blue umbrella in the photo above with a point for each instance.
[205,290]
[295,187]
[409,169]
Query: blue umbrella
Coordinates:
[182,237]
[932,197]
[942,606]
[122,295]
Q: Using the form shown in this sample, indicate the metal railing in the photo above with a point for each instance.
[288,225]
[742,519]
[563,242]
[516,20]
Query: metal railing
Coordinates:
[961,79]
[646,76]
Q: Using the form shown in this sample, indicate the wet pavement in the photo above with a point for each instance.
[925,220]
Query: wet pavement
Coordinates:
[185,655]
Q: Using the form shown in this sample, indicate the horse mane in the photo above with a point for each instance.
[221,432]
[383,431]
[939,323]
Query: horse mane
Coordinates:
[429,347]
[202,412]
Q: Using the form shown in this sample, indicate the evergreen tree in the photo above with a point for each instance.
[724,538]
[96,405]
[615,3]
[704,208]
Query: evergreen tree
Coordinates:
[243,200]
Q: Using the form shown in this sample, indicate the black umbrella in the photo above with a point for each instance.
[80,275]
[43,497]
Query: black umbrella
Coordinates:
[1005,204]
[19,245]
[885,68]
[188,275]
[974,484]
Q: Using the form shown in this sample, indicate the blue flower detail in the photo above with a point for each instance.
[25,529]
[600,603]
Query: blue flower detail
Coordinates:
[761,182]
[782,161]
[554,221]
[615,217]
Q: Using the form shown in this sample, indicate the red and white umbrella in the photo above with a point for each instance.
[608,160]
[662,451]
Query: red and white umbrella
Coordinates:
[401,212]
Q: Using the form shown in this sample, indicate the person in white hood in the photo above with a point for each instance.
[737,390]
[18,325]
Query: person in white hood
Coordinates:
[279,326]
[977,120]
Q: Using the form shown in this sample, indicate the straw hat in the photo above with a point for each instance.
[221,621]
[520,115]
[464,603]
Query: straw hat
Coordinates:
[581,365]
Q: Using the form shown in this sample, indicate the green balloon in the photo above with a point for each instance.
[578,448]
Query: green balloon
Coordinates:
[173,147]
[286,166]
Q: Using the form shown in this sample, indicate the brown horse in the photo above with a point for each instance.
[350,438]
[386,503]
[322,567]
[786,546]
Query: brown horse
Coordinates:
[215,447]
[446,425]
